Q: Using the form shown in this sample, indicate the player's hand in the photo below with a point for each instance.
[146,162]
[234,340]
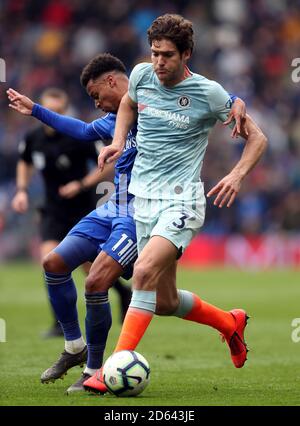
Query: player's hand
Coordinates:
[20,202]
[226,189]
[108,154]
[71,189]
[19,102]
[237,114]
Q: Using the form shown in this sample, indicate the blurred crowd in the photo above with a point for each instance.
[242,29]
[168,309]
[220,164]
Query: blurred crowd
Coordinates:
[248,46]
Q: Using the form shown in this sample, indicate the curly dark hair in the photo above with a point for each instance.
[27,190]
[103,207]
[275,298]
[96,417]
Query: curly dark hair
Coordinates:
[100,64]
[174,28]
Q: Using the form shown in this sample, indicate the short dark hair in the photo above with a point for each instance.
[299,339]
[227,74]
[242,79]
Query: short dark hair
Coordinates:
[56,93]
[174,28]
[100,64]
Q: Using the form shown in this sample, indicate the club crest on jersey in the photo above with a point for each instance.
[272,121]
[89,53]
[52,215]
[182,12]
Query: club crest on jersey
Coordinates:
[184,101]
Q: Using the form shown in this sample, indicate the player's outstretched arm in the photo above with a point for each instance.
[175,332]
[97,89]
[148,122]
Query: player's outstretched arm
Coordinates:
[229,186]
[68,125]
[126,117]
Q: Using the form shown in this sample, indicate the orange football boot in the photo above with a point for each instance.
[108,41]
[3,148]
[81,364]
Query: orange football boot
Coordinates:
[96,383]
[236,342]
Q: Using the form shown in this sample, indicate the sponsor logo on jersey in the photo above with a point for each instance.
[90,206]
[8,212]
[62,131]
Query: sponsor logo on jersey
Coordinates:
[167,115]
[130,141]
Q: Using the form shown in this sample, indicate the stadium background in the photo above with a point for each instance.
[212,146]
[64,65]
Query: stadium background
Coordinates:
[248,46]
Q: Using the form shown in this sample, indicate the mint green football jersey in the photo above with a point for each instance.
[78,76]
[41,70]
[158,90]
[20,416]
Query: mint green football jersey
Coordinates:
[173,127]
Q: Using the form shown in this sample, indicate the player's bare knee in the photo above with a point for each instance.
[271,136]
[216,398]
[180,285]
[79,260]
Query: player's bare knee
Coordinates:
[54,263]
[144,277]
[95,283]
[91,283]
[102,279]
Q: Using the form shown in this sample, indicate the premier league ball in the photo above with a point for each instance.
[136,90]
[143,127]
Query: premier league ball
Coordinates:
[126,373]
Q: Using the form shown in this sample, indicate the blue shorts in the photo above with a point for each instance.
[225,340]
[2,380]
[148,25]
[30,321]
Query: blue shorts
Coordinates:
[98,231]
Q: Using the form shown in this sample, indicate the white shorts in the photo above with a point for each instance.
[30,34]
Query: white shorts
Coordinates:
[177,221]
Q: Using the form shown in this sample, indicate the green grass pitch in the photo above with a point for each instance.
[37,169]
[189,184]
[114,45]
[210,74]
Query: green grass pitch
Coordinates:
[189,364]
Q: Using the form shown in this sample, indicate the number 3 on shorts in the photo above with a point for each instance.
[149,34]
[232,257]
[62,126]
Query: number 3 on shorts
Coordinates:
[181,220]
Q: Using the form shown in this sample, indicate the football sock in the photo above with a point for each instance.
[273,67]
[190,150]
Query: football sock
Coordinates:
[137,319]
[90,371]
[97,325]
[75,346]
[55,322]
[63,298]
[192,308]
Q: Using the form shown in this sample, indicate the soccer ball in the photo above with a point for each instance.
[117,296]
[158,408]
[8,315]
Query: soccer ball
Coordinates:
[126,373]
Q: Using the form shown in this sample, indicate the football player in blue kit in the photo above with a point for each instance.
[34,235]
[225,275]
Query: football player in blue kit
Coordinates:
[106,236]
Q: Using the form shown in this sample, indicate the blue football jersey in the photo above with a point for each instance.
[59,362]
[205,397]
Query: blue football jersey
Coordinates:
[105,128]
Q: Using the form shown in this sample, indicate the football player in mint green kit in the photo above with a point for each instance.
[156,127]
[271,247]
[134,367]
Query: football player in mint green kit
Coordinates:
[176,109]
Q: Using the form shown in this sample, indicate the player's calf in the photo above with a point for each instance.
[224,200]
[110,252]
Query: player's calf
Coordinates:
[166,307]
